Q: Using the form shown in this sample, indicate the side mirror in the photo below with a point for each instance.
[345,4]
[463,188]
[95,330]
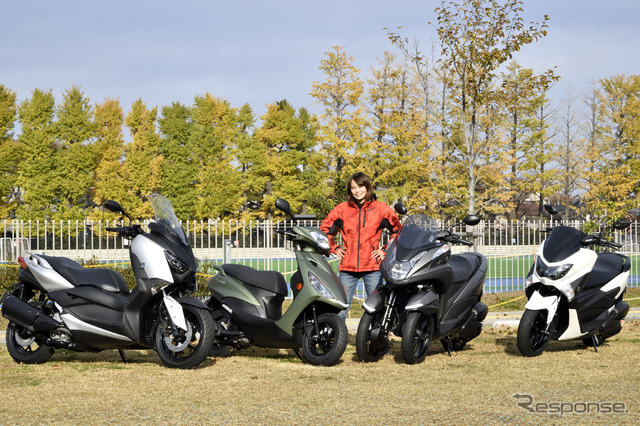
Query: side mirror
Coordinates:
[284,206]
[400,208]
[253,205]
[471,219]
[113,206]
[621,224]
[550,209]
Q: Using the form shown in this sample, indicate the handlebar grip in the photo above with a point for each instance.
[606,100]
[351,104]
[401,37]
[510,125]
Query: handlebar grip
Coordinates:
[614,245]
[116,229]
[465,242]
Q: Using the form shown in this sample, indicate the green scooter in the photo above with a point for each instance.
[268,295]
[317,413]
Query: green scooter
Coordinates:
[246,304]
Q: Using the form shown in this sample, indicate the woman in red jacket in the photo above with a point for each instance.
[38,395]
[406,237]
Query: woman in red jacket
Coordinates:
[360,220]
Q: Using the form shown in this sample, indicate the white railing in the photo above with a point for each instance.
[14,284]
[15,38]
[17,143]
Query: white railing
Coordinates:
[510,247]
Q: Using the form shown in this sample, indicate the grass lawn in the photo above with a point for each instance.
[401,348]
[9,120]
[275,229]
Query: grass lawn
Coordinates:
[271,386]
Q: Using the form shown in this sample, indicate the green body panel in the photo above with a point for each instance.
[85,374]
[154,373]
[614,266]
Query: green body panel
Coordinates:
[222,286]
[311,260]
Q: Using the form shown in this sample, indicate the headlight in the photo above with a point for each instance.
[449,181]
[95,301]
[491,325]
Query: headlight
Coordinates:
[399,270]
[321,240]
[175,263]
[319,286]
[553,272]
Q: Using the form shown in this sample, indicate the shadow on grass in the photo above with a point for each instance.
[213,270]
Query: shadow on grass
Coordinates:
[111,358]
[510,345]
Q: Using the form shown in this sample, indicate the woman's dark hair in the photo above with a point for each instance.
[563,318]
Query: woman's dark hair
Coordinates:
[361,180]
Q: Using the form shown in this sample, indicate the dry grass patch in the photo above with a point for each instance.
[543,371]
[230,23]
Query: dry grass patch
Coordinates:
[266,386]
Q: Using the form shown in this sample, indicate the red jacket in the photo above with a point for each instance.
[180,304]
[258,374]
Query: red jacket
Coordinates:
[360,228]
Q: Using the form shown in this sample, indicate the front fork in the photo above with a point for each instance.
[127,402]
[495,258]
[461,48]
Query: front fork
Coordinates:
[388,311]
[175,313]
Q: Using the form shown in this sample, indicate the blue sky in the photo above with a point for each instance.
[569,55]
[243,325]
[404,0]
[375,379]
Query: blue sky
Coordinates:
[259,52]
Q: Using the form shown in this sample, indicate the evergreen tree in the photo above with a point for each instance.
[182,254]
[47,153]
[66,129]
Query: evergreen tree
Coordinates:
[75,156]
[219,189]
[110,182]
[179,169]
[8,152]
[36,147]
[143,163]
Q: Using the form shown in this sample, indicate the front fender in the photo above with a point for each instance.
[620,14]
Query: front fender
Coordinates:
[538,302]
[427,302]
[374,303]
[192,301]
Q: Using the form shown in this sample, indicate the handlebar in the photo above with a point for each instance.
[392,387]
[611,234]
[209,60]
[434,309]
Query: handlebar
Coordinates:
[126,231]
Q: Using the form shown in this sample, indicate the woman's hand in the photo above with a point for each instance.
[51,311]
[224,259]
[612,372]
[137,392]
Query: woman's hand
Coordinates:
[378,255]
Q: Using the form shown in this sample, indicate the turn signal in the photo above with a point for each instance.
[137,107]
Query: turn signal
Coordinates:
[299,286]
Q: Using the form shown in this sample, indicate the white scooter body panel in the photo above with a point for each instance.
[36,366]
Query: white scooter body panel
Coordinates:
[148,252]
[582,261]
[49,279]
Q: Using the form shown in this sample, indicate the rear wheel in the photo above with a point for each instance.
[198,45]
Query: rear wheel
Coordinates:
[325,345]
[370,344]
[532,333]
[185,348]
[416,337]
[22,346]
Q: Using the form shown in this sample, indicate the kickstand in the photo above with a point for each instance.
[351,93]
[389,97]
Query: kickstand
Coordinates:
[297,351]
[594,339]
[121,352]
[449,345]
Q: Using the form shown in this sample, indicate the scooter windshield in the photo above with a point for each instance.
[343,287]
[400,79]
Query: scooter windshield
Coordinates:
[562,243]
[164,215]
[419,230]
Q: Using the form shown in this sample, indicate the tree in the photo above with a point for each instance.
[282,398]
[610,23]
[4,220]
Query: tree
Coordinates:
[110,182]
[477,37]
[179,168]
[344,122]
[219,185]
[143,162]
[75,157]
[571,154]
[614,186]
[8,152]
[524,95]
[36,146]
[291,164]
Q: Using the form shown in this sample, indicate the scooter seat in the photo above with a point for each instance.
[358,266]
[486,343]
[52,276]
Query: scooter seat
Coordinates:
[464,265]
[78,275]
[607,266]
[268,280]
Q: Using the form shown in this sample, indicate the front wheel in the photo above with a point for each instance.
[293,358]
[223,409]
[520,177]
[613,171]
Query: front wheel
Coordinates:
[325,345]
[22,346]
[371,342]
[185,349]
[416,337]
[532,333]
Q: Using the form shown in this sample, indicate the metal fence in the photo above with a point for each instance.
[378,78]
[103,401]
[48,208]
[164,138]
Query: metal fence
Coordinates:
[510,247]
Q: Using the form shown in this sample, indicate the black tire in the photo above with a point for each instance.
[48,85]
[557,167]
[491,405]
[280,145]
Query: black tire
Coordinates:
[364,348]
[22,346]
[219,349]
[457,344]
[532,337]
[327,347]
[190,348]
[417,334]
